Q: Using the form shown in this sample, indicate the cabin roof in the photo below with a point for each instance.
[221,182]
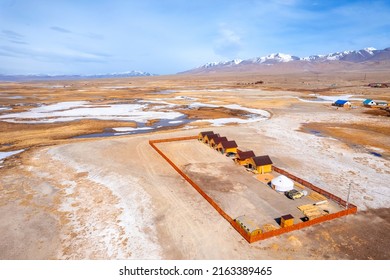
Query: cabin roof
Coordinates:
[220,139]
[204,133]
[262,160]
[229,144]
[212,136]
[287,217]
[245,155]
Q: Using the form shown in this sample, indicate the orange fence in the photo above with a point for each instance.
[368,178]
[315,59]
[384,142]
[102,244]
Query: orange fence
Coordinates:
[318,220]
[173,139]
[351,208]
[188,179]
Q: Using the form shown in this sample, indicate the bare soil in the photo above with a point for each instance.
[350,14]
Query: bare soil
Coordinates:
[232,187]
[356,134]
[116,198]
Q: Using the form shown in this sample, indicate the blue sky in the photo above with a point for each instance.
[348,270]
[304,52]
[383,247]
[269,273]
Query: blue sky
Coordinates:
[166,37]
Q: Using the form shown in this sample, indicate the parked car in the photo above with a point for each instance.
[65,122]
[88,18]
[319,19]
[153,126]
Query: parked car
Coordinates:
[294,194]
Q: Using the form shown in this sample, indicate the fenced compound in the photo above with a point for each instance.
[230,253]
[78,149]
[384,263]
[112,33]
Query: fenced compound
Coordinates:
[267,234]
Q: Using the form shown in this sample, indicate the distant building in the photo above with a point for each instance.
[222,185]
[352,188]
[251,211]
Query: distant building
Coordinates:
[342,103]
[381,103]
[379,85]
[369,103]
[375,103]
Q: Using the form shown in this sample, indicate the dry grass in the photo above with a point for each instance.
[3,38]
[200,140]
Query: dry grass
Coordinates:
[364,134]
[20,136]
[213,113]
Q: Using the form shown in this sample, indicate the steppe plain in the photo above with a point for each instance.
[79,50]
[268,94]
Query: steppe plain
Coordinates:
[111,196]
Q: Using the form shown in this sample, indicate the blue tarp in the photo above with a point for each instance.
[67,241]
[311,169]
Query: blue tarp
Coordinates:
[340,102]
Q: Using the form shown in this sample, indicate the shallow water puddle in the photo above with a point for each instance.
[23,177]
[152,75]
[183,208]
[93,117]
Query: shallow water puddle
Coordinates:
[376,154]
[141,128]
[4,155]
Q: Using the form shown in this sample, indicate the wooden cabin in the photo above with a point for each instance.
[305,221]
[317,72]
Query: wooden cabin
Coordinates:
[215,141]
[201,135]
[286,220]
[261,164]
[207,138]
[243,158]
[227,147]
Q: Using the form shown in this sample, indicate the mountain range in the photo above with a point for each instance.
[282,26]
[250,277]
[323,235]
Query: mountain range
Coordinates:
[368,59]
[36,77]
[287,62]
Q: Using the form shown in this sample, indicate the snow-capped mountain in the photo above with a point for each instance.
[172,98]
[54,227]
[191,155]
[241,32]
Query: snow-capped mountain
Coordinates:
[34,77]
[222,63]
[122,74]
[367,54]
[351,56]
[274,58]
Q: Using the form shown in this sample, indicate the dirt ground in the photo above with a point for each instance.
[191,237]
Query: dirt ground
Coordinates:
[235,190]
[116,198]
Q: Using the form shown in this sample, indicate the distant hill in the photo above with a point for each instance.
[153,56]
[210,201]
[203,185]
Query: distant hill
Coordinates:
[279,62]
[72,77]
